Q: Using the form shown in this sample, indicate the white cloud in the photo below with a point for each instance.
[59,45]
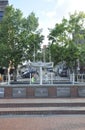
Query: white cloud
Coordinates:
[77,5]
[60,2]
[49,0]
[49,14]
[69,6]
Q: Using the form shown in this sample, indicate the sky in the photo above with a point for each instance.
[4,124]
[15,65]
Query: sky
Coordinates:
[49,12]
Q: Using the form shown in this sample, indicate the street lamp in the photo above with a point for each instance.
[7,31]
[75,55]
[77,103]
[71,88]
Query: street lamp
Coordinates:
[54,38]
[49,53]
[33,44]
[34,52]
[78,66]
[44,55]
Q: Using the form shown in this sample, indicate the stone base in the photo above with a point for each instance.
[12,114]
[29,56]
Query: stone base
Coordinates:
[44,91]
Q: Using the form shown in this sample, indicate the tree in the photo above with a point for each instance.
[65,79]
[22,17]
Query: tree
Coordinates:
[82,55]
[17,37]
[71,56]
[35,41]
[68,36]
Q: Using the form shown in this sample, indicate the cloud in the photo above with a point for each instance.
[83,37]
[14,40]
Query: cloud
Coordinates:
[49,14]
[77,5]
[49,1]
[60,2]
[64,7]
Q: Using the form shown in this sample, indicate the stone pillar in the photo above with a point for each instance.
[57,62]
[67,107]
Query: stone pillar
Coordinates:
[8,92]
[74,91]
[52,92]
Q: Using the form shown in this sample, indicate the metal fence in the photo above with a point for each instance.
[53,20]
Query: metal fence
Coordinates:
[46,79]
[77,78]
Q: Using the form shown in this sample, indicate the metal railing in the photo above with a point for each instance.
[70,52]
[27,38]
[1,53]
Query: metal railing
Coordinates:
[10,78]
[73,78]
[77,78]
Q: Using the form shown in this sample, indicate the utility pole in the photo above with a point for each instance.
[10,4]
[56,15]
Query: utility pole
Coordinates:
[44,57]
[34,52]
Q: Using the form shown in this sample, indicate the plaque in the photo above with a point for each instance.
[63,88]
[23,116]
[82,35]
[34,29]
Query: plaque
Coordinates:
[1,92]
[41,92]
[19,92]
[63,91]
[81,92]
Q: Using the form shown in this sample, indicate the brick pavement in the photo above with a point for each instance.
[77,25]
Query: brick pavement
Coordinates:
[62,122]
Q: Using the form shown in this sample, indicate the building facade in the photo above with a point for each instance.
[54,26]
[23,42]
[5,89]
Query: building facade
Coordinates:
[3,4]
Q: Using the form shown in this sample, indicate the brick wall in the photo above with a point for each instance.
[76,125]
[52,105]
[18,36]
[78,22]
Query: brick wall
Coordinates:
[36,91]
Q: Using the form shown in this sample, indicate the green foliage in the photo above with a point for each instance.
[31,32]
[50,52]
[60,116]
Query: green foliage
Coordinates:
[17,36]
[59,53]
[67,38]
[71,55]
[32,23]
[82,55]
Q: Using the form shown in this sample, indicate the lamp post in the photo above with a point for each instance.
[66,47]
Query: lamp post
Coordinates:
[78,66]
[50,45]
[44,56]
[34,52]
[34,38]
[49,53]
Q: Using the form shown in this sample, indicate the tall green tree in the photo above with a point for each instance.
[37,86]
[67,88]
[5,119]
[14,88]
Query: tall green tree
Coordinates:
[17,35]
[68,35]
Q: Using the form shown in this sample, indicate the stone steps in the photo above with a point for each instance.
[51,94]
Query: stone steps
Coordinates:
[42,106]
[42,110]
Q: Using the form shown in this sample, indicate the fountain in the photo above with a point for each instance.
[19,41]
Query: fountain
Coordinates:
[41,65]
